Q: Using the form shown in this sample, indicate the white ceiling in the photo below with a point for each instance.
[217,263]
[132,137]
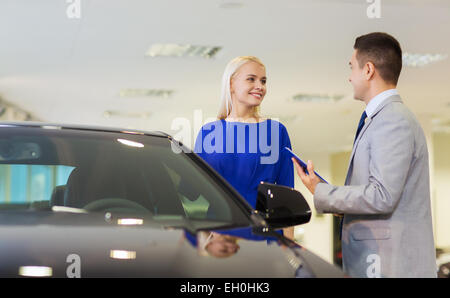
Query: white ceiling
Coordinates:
[72,70]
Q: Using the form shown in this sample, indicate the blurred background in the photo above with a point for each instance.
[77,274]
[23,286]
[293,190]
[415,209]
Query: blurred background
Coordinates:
[141,64]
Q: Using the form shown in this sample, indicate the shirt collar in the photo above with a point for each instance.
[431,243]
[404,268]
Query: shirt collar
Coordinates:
[377,100]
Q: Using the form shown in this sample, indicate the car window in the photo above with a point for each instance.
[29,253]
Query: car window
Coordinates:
[194,208]
[21,183]
[106,171]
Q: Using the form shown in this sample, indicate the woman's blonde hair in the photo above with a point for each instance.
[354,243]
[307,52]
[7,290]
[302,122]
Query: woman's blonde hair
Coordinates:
[226,104]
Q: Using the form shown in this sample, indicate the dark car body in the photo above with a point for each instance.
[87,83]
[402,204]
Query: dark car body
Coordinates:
[103,202]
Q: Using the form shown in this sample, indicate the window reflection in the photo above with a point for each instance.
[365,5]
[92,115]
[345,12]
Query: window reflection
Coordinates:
[218,245]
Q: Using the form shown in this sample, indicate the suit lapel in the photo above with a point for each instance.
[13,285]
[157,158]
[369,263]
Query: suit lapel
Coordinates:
[350,165]
[393,98]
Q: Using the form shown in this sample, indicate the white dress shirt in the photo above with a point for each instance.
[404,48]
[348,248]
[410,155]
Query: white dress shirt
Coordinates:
[377,100]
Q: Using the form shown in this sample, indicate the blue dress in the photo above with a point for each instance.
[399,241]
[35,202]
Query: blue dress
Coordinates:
[247,153]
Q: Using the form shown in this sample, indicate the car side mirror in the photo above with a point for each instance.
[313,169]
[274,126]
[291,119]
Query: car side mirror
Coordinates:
[282,206]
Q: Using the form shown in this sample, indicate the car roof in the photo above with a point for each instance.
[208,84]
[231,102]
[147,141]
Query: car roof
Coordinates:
[44,125]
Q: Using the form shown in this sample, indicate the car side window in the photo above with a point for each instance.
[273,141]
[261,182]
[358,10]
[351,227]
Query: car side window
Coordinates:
[195,208]
[199,197]
[29,184]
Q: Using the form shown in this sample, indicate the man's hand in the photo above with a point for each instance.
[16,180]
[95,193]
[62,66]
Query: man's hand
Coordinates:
[311,180]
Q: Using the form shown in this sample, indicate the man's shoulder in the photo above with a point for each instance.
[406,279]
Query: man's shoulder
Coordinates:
[396,110]
[397,117]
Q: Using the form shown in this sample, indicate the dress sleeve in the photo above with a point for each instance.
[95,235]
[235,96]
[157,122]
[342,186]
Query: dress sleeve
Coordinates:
[285,167]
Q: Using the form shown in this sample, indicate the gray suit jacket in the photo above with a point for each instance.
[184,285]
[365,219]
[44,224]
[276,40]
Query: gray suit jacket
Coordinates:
[387,228]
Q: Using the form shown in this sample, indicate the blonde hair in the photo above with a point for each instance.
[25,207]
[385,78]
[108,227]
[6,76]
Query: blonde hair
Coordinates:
[226,104]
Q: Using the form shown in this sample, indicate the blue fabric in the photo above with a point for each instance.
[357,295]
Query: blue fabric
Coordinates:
[247,233]
[247,153]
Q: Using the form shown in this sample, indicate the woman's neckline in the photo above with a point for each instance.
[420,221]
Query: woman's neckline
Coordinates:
[245,122]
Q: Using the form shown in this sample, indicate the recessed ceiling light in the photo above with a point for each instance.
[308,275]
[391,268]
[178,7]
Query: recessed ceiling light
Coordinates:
[179,50]
[441,125]
[418,60]
[231,4]
[165,93]
[441,122]
[302,97]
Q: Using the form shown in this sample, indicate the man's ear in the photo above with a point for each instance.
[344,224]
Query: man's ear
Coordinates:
[369,70]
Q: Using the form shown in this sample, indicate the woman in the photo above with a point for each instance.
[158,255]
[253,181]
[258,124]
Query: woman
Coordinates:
[242,146]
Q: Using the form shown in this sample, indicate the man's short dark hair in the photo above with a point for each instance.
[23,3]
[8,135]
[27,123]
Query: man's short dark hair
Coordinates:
[383,51]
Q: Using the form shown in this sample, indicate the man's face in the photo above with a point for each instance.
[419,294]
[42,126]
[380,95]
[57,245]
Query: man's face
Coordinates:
[357,78]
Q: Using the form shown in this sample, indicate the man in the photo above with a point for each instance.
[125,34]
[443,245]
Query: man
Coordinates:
[387,228]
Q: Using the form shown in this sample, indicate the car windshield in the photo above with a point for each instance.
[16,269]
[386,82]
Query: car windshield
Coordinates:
[98,171]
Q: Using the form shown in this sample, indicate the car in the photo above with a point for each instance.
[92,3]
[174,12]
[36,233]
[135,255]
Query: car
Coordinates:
[82,201]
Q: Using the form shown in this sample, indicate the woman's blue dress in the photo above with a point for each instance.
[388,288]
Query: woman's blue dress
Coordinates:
[247,153]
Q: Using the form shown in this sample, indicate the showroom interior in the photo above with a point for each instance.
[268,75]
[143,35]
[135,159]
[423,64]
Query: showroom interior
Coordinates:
[147,64]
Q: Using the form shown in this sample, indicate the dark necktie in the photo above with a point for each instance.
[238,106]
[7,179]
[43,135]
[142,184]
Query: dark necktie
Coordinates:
[360,125]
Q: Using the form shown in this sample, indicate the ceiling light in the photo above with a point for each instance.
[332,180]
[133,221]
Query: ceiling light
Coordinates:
[441,122]
[419,60]
[178,50]
[302,97]
[231,4]
[145,92]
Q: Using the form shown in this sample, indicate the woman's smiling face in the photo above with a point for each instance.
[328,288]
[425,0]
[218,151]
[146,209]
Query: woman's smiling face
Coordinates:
[248,84]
